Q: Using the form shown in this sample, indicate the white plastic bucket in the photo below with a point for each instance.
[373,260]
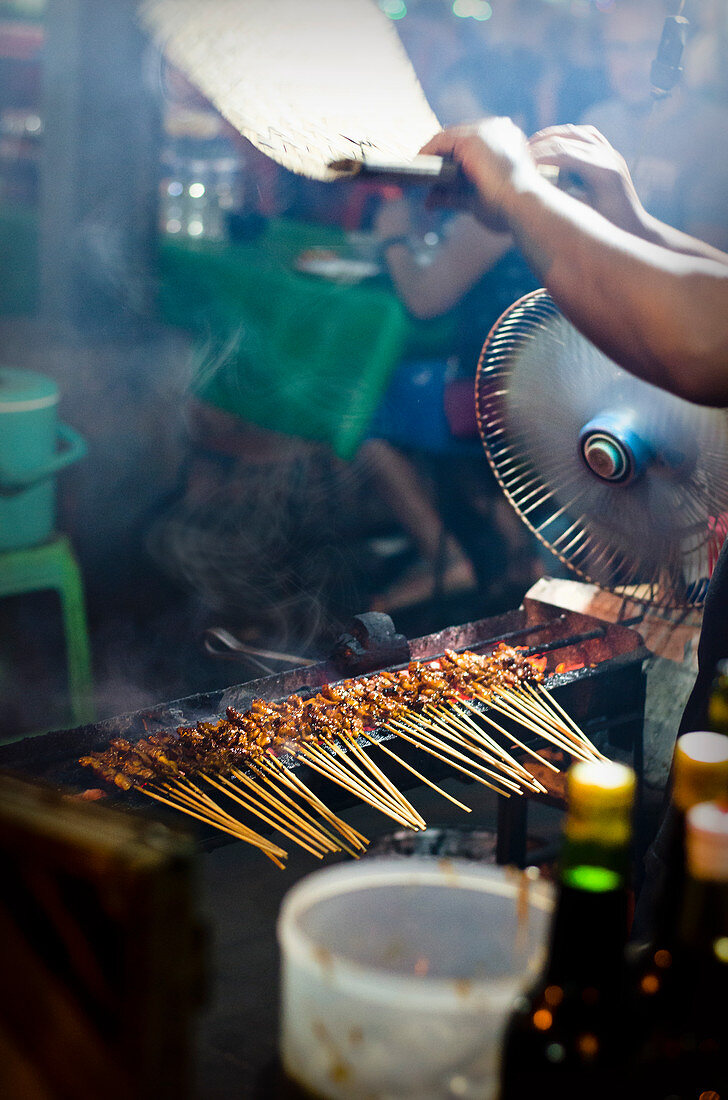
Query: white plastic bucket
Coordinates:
[398,976]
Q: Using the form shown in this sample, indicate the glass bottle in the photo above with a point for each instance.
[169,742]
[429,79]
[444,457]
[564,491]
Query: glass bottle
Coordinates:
[565,1035]
[681,1051]
[699,774]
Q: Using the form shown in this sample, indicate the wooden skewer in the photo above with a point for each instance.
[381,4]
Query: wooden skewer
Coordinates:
[468,705]
[552,719]
[269,817]
[490,742]
[513,703]
[546,695]
[502,768]
[493,703]
[543,731]
[419,775]
[219,820]
[336,842]
[470,737]
[308,827]
[191,794]
[511,737]
[451,763]
[347,762]
[503,773]
[285,806]
[242,833]
[364,794]
[537,724]
[500,777]
[343,781]
[379,792]
[196,799]
[534,704]
[272,765]
[385,780]
[254,807]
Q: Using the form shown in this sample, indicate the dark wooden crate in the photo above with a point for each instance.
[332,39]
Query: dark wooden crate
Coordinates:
[100,950]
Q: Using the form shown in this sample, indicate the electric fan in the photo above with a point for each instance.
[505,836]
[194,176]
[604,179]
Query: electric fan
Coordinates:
[626,484]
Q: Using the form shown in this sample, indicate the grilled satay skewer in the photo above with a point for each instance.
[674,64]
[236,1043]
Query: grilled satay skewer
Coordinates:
[424,703]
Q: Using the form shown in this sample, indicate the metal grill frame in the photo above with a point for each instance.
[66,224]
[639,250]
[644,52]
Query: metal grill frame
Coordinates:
[605,694]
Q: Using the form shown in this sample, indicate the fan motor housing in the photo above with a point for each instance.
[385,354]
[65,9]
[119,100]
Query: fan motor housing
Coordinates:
[612,449]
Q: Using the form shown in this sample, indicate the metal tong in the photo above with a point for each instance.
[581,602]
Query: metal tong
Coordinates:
[219,642]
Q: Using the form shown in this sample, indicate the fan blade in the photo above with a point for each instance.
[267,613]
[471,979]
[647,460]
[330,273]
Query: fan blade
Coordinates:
[545,394]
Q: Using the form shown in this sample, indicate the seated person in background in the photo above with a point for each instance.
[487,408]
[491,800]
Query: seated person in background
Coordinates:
[471,275]
[675,148]
[455,267]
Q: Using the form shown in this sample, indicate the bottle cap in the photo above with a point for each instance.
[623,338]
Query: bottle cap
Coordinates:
[707,841]
[700,768]
[597,787]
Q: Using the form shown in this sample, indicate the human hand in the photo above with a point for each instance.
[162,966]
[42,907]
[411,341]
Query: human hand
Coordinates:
[494,157]
[601,173]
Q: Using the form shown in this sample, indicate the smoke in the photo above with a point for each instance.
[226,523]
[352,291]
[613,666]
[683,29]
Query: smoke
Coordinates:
[265,548]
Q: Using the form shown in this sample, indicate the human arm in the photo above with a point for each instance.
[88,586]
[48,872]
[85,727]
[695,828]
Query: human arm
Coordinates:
[603,181]
[660,312]
[461,258]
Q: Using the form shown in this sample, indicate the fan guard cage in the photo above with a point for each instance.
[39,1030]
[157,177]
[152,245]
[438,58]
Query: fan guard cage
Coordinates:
[668,568]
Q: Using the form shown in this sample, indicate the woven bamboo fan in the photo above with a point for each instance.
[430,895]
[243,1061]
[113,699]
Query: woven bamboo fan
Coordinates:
[308,82]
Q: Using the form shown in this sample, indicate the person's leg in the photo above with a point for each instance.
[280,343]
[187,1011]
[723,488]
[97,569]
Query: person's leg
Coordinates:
[414,508]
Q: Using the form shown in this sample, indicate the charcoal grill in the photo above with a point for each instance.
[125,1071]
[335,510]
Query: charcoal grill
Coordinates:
[594,669]
[601,685]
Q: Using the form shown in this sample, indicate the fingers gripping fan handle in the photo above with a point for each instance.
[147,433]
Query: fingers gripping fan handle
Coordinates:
[625,484]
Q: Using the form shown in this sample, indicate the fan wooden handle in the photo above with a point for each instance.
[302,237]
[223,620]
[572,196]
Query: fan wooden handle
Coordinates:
[430,171]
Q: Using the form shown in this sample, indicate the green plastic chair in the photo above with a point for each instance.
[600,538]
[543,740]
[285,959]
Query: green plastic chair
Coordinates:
[53,565]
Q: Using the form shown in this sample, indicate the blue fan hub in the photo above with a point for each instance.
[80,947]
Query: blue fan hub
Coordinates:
[613,449]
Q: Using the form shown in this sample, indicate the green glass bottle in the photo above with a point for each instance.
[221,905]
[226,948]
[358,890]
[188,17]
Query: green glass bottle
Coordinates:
[681,1051]
[565,1036]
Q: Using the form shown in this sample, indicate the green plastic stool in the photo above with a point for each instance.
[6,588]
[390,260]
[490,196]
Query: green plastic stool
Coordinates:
[53,565]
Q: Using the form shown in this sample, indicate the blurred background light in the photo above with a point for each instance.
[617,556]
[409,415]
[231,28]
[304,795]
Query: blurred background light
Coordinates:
[395,9]
[472,9]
